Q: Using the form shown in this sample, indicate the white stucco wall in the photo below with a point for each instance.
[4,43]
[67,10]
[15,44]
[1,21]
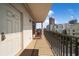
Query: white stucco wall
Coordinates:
[27,26]
[13,46]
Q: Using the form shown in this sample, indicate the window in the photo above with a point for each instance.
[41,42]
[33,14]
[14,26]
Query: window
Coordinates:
[73,33]
[73,30]
[56,26]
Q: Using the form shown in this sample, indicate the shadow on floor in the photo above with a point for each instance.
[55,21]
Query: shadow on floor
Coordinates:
[30,52]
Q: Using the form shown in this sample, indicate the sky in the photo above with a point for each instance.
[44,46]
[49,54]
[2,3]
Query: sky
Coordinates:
[62,12]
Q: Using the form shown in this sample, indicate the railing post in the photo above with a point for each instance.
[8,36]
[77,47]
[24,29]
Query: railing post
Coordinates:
[76,47]
[59,45]
[63,44]
[71,46]
[67,46]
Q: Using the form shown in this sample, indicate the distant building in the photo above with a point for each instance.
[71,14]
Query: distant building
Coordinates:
[73,21]
[58,28]
[55,27]
[51,20]
[73,29]
[66,25]
[51,23]
[47,27]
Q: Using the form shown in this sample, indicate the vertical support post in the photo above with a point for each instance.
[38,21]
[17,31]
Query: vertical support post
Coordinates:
[63,43]
[35,31]
[67,46]
[59,45]
[41,30]
[76,47]
[71,46]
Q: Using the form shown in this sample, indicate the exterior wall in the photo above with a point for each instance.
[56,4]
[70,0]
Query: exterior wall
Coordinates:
[73,30]
[58,28]
[1,21]
[51,27]
[66,25]
[51,20]
[51,24]
[48,27]
[13,46]
[27,26]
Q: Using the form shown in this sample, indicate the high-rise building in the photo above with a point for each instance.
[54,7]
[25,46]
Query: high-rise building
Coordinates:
[51,20]
[73,29]
[51,23]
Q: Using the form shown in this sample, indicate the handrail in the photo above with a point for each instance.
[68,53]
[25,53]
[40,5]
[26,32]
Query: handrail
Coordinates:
[64,34]
[62,44]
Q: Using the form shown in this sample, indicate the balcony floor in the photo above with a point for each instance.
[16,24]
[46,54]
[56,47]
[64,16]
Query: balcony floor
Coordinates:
[42,45]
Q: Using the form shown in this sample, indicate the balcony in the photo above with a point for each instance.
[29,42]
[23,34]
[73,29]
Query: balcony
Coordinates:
[41,44]
[62,45]
[55,44]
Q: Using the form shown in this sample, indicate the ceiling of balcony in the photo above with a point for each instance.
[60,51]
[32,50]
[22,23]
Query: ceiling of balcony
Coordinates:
[38,11]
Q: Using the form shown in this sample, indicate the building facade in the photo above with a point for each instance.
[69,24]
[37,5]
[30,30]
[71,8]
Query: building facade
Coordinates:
[14,24]
[73,30]
[58,28]
[51,24]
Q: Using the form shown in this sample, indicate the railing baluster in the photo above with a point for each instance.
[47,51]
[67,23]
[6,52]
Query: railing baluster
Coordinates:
[59,45]
[63,45]
[71,46]
[76,47]
[67,46]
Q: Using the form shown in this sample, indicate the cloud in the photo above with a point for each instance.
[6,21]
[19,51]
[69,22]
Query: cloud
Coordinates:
[71,11]
[46,22]
[71,17]
[50,13]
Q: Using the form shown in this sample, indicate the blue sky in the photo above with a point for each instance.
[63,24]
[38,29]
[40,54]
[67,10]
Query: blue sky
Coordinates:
[63,12]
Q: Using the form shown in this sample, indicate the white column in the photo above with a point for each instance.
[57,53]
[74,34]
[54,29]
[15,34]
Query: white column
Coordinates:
[42,30]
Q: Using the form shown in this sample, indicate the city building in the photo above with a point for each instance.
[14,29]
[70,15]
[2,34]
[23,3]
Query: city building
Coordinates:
[73,29]
[58,28]
[66,25]
[51,23]
[47,28]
